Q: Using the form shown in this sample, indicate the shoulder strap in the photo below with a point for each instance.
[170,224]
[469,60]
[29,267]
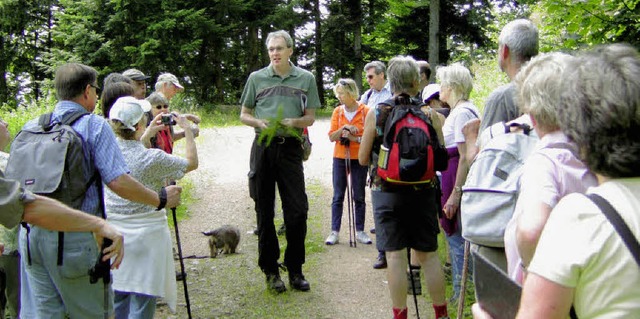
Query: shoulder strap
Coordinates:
[45,121]
[71,118]
[472,111]
[369,94]
[618,224]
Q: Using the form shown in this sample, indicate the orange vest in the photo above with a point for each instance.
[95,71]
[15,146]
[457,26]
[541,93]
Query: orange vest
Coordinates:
[338,119]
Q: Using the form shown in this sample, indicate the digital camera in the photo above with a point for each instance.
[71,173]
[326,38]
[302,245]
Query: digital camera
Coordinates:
[167,119]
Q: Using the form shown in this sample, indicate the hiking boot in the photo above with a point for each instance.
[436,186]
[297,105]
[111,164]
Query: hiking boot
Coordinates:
[332,239]
[416,282]
[381,262]
[297,282]
[363,238]
[276,284]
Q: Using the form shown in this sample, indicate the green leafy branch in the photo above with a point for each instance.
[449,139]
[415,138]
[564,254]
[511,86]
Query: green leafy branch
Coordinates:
[276,128]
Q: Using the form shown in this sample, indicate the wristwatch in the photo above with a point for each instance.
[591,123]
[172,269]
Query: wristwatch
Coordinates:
[359,139]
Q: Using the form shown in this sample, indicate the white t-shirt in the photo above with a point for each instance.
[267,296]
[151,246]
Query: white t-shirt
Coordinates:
[579,248]
[452,127]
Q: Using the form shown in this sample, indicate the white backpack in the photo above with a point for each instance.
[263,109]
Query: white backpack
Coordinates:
[491,190]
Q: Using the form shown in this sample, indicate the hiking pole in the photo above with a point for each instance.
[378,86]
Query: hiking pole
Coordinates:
[184,274]
[463,284]
[350,211]
[413,282]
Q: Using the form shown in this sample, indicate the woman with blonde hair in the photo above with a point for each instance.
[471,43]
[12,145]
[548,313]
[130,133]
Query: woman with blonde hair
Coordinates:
[347,124]
[456,84]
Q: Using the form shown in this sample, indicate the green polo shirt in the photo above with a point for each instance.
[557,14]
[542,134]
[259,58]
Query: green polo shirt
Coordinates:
[266,91]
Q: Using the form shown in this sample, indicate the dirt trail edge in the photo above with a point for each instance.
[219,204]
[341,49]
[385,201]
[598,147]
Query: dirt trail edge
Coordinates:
[343,283]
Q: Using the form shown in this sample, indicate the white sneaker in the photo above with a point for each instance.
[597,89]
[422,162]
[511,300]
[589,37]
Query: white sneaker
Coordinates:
[363,238]
[332,239]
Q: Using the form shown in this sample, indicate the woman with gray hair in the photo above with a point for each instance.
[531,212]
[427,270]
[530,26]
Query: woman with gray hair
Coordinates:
[404,215]
[552,171]
[581,260]
[456,84]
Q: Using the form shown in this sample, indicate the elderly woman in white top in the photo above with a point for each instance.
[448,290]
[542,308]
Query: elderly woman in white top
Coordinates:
[552,171]
[148,271]
[456,84]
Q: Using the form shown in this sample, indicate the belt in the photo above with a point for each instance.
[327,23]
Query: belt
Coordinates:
[280,140]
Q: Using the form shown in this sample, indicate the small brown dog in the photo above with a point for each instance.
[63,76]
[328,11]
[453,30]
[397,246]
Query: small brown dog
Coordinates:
[224,239]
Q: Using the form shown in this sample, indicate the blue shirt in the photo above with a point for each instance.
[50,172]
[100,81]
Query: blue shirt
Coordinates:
[101,150]
[376,97]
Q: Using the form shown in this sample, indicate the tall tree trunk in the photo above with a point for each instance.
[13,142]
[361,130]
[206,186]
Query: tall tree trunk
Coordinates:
[254,62]
[4,90]
[357,44]
[434,35]
[319,63]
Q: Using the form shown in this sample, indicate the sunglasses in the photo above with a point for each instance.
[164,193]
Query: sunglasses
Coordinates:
[165,106]
[343,83]
[95,87]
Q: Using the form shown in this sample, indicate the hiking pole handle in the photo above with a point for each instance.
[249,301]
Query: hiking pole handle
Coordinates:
[102,269]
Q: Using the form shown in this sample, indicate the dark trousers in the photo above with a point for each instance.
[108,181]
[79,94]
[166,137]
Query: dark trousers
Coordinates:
[358,179]
[279,163]
[10,285]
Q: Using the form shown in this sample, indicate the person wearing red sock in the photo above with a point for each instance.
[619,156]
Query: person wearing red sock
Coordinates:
[405,215]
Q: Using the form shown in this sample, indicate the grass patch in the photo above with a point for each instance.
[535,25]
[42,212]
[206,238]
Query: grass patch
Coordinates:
[238,288]
[487,77]
[186,199]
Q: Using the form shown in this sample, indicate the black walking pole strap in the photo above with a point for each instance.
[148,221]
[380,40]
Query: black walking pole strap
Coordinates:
[618,224]
[413,283]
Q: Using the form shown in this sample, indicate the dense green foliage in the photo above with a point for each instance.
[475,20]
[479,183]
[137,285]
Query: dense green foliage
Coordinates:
[212,45]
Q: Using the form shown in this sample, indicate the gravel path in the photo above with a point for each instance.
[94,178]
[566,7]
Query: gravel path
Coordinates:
[343,283]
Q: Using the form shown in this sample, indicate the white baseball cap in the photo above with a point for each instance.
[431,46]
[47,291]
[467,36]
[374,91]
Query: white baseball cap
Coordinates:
[168,77]
[129,111]
[430,91]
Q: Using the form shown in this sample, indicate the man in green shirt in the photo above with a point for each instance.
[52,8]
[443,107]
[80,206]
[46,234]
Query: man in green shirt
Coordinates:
[284,93]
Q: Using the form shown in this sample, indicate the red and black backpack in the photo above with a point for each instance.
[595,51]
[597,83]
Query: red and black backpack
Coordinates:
[410,152]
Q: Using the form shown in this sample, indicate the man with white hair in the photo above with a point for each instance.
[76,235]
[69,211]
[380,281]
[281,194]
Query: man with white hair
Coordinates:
[379,90]
[168,85]
[517,44]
